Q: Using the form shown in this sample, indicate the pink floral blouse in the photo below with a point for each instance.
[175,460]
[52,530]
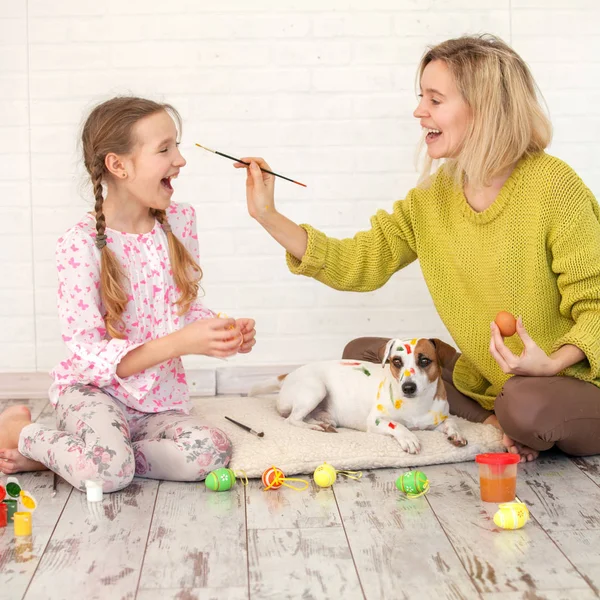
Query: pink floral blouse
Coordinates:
[150,313]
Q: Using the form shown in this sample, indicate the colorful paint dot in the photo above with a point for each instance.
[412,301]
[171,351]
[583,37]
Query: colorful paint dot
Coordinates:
[398,404]
[392,425]
[380,407]
[363,370]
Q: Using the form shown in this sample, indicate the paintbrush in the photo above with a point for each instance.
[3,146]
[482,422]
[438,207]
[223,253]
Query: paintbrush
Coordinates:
[245,427]
[248,164]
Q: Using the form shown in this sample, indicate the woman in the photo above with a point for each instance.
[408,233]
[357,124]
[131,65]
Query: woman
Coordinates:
[501,225]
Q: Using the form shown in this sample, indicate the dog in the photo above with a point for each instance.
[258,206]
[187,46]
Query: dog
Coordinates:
[404,392]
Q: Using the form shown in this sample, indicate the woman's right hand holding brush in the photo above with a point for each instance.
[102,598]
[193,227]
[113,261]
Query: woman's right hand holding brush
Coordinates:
[260,197]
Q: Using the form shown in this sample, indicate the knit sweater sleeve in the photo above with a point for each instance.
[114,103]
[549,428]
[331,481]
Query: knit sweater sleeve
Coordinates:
[366,261]
[575,253]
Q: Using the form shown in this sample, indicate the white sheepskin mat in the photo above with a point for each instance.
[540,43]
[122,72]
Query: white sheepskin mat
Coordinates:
[296,450]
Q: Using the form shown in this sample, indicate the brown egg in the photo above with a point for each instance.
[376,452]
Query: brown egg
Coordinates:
[507,324]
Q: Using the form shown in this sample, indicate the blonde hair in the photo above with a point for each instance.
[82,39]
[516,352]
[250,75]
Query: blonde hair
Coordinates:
[507,122]
[109,129]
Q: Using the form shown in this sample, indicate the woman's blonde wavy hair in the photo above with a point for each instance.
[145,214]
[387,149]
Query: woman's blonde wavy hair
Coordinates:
[508,122]
[109,129]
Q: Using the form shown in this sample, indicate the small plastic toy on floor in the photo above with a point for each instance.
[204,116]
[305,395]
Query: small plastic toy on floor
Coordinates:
[511,515]
[325,475]
[413,483]
[273,478]
[223,479]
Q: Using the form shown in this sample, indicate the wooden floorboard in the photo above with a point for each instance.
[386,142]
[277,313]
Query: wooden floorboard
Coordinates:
[97,548]
[197,539]
[397,544]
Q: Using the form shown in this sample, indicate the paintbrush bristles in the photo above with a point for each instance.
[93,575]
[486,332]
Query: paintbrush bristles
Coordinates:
[205,148]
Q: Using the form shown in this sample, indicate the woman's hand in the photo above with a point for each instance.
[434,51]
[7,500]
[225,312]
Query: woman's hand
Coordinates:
[212,337]
[246,327]
[533,362]
[260,187]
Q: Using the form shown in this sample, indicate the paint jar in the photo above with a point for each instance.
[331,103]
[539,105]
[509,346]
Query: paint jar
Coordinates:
[22,523]
[11,504]
[3,514]
[498,476]
[93,489]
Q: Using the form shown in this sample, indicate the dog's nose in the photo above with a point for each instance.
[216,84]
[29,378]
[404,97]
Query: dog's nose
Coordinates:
[409,388]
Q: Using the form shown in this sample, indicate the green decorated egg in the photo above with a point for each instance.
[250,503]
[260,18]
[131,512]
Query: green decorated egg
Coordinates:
[220,480]
[413,483]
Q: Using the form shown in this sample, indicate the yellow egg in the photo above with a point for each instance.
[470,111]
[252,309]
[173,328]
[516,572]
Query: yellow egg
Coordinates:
[324,475]
[511,515]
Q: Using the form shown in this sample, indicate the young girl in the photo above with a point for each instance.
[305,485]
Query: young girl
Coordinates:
[500,226]
[127,299]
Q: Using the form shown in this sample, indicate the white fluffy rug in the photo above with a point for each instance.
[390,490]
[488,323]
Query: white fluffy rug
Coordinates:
[295,450]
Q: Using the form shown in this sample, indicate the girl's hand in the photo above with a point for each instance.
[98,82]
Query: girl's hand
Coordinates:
[533,362]
[259,187]
[212,337]
[246,326]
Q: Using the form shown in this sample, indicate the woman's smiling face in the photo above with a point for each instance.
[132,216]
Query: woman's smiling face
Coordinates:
[442,111]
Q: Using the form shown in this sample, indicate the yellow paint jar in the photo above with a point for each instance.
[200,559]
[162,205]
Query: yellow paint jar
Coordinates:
[22,523]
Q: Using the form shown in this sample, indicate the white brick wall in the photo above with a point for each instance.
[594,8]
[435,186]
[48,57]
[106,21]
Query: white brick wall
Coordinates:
[322,88]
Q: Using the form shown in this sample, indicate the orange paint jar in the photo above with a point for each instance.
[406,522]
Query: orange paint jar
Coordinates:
[498,476]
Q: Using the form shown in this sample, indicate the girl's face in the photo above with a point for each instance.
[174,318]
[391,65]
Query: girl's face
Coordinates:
[442,111]
[154,161]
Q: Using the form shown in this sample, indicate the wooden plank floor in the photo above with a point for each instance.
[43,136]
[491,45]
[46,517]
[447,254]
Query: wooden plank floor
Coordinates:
[358,540]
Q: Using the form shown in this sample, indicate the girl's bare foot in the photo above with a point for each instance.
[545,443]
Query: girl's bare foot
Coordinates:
[12,461]
[12,421]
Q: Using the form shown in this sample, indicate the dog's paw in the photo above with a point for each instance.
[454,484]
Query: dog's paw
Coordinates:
[456,439]
[409,443]
[327,427]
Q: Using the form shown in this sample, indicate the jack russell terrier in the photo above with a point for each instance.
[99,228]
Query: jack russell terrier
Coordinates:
[406,392]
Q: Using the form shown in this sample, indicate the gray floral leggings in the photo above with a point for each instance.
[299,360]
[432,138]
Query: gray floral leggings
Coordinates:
[100,438]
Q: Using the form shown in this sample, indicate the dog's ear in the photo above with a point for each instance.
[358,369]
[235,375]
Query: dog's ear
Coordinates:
[385,350]
[445,352]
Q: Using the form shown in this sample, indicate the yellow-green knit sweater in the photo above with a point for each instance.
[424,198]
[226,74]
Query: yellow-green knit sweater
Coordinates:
[534,252]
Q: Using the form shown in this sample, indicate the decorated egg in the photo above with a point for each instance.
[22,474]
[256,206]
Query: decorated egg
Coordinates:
[511,515]
[507,324]
[324,475]
[220,480]
[273,478]
[413,483]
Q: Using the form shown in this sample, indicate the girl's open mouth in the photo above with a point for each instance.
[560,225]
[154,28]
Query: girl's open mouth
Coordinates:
[166,183]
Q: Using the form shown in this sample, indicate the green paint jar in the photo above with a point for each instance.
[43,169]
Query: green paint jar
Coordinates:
[12,509]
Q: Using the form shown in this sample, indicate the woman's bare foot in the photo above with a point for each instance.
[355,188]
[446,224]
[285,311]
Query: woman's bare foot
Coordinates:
[527,454]
[12,421]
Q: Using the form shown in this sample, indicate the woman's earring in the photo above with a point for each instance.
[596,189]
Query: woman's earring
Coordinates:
[124,175]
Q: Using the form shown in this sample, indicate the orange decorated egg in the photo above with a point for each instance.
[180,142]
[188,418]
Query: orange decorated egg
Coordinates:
[273,478]
[507,324]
